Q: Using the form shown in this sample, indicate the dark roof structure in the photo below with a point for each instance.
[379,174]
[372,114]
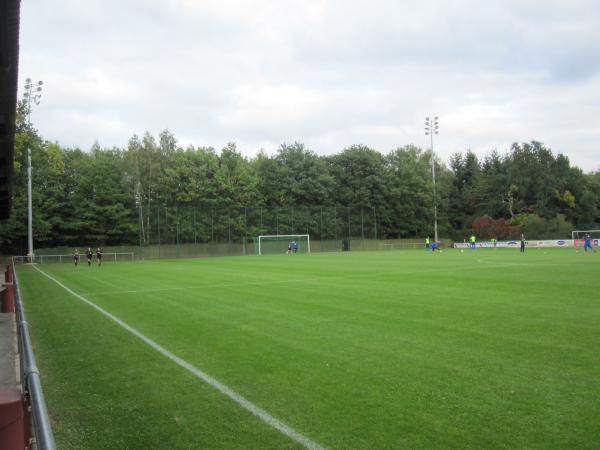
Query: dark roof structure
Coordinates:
[9,64]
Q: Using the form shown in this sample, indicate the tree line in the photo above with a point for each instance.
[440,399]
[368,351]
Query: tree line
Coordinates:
[109,196]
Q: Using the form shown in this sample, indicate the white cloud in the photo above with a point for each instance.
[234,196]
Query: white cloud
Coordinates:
[329,73]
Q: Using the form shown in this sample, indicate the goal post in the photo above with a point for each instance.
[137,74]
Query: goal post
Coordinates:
[278,244]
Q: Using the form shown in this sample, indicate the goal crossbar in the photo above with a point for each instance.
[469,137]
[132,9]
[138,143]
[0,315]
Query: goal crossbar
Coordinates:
[576,233]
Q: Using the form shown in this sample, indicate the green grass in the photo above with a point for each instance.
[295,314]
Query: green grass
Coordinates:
[358,350]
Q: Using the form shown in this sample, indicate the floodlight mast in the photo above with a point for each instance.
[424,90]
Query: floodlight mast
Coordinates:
[431,128]
[33,93]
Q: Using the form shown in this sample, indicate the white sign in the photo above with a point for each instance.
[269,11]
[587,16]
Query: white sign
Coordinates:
[544,243]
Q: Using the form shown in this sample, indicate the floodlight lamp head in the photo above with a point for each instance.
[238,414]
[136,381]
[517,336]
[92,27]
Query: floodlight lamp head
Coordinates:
[27,80]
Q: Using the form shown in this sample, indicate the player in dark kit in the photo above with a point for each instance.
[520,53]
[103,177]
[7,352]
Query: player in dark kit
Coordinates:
[88,255]
[99,256]
[522,243]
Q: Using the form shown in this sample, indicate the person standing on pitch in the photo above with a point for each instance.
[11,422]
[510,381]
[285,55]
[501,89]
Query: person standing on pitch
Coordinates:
[99,256]
[472,239]
[88,255]
[427,242]
[494,242]
[588,243]
[76,257]
[522,243]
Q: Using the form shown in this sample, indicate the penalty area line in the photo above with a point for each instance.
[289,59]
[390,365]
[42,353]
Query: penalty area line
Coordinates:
[223,389]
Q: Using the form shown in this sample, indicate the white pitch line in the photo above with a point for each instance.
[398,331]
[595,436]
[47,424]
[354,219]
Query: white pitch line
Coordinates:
[223,389]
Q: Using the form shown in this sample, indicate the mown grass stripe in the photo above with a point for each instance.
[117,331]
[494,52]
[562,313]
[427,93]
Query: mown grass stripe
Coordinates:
[225,390]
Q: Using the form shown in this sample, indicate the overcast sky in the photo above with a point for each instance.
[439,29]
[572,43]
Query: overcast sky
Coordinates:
[328,73]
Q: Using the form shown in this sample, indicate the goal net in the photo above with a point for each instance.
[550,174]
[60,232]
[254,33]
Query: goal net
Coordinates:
[579,236]
[279,244]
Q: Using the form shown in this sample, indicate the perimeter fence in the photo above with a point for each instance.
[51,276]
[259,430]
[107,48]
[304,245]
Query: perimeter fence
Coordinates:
[172,232]
[190,232]
[175,225]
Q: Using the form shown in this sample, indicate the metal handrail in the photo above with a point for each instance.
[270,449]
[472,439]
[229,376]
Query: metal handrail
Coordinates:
[42,431]
[69,257]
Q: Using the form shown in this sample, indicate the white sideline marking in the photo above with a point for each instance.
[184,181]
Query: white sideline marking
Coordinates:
[239,399]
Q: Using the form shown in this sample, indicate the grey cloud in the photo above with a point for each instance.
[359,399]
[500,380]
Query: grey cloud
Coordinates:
[329,73]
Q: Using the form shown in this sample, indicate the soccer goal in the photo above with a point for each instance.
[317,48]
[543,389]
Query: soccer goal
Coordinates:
[279,244]
[578,237]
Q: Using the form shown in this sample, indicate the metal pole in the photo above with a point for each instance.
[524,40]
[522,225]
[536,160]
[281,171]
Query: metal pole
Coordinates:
[431,128]
[375,222]
[362,224]
[321,228]
[349,233]
[308,218]
[334,223]
[167,231]
[29,207]
[195,229]
[435,221]
[141,219]
[32,92]
[158,226]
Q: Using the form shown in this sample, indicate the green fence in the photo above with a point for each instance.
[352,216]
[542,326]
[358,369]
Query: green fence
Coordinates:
[246,247]
[186,232]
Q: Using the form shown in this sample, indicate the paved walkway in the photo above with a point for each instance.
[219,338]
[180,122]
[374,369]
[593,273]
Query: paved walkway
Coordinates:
[8,374]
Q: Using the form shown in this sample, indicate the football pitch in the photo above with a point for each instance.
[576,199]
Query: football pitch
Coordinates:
[359,350]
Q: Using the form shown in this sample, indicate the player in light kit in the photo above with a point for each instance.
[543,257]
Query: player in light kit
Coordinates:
[472,239]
